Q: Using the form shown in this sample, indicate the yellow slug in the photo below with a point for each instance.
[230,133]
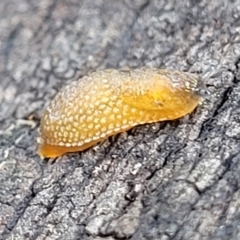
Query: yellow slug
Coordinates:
[110,101]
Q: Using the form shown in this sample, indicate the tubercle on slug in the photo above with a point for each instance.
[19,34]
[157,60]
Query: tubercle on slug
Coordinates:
[107,102]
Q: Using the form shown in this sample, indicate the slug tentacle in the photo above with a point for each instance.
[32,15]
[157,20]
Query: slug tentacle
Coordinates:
[111,101]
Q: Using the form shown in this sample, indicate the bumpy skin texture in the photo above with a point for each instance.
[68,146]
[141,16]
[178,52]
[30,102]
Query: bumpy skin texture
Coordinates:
[111,101]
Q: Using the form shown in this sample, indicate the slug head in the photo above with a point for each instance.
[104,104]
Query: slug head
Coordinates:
[172,93]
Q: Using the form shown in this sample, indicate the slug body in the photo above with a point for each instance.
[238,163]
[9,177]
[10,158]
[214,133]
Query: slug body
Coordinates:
[111,101]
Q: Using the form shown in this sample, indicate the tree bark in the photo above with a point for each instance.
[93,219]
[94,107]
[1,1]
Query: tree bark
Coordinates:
[169,180]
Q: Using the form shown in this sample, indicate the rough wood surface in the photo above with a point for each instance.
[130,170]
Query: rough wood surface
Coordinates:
[172,180]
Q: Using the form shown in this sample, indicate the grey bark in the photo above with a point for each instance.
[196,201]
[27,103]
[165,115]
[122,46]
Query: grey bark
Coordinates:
[171,180]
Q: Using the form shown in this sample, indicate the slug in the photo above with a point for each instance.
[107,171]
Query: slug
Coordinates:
[110,101]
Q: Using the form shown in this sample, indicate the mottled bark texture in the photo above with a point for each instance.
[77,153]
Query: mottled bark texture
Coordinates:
[171,180]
